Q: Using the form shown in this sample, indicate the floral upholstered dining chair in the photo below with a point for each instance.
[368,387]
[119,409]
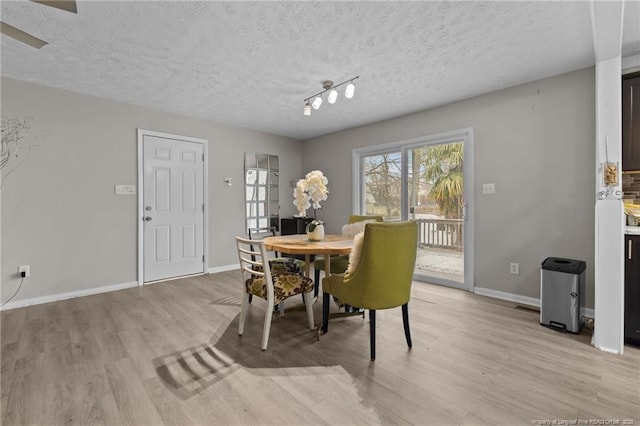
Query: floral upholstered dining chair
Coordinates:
[273,282]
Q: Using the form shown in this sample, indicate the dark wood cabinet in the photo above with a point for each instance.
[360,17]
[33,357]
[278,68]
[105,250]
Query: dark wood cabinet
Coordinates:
[294,225]
[632,290]
[631,122]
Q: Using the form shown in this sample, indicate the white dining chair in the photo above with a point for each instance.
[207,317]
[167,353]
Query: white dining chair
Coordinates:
[272,281]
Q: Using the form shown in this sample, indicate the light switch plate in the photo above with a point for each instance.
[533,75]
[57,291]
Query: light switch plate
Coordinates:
[488,188]
[125,189]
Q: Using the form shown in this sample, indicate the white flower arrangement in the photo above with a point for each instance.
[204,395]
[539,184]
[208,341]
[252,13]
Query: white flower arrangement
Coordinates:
[310,191]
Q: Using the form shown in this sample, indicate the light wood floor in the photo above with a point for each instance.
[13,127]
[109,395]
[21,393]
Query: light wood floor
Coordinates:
[169,354]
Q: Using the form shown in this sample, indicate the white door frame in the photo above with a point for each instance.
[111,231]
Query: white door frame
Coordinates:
[466,135]
[140,213]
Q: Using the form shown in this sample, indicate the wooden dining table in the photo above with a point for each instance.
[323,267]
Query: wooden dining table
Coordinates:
[333,244]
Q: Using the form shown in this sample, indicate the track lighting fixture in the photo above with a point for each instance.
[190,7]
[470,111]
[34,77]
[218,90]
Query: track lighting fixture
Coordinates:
[332,97]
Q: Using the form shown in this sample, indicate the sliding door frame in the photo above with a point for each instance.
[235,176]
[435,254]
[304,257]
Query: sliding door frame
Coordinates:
[462,135]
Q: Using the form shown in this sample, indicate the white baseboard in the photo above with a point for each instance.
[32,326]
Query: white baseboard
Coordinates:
[611,351]
[516,298]
[224,268]
[92,291]
[68,295]
[523,300]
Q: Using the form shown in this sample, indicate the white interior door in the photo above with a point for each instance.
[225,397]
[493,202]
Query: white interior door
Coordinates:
[173,208]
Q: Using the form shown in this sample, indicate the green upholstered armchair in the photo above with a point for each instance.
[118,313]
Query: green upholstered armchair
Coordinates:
[338,263]
[272,281]
[382,278]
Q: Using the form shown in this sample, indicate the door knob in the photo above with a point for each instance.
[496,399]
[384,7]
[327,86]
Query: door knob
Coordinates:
[147,218]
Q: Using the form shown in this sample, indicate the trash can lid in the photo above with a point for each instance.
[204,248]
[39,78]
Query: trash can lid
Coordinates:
[559,264]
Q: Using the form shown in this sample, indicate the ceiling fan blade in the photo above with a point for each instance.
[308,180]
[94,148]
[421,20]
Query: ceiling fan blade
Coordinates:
[68,5]
[20,35]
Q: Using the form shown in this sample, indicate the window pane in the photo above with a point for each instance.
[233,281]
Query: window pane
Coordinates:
[263,161]
[262,193]
[382,185]
[435,201]
[273,162]
[263,222]
[435,181]
[251,177]
[262,177]
[250,160]
[249,193]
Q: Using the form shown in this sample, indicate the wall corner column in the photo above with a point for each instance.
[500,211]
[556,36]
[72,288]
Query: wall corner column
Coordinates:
[608,332]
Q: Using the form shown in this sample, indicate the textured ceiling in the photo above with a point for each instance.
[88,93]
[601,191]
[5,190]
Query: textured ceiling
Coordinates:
[251,64]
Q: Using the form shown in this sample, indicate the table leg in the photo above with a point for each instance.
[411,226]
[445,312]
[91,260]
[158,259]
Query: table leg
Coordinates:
[307,273]
[307,265]
[327,265]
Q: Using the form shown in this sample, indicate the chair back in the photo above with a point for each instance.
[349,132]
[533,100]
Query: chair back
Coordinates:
[254,261]
[387,261]
[261,233]
[354,218]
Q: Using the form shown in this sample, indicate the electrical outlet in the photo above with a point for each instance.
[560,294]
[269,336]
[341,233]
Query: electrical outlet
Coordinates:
[515,268]
[24,268]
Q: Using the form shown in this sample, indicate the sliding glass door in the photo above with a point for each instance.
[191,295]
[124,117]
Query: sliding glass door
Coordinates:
[426,180]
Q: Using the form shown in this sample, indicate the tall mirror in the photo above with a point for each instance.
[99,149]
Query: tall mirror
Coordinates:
[262,208]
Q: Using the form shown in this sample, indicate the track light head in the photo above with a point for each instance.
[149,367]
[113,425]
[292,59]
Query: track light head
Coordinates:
[317,102]
[307,109]
[333,96]
[350,90]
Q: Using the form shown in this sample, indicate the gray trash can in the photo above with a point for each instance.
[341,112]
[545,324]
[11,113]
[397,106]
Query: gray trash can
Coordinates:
[562,292]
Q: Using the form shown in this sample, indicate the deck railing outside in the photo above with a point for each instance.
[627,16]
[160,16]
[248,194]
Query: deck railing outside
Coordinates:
[443,233]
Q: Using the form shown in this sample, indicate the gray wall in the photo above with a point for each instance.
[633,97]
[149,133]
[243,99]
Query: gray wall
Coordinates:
[534,141]
[59,211]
